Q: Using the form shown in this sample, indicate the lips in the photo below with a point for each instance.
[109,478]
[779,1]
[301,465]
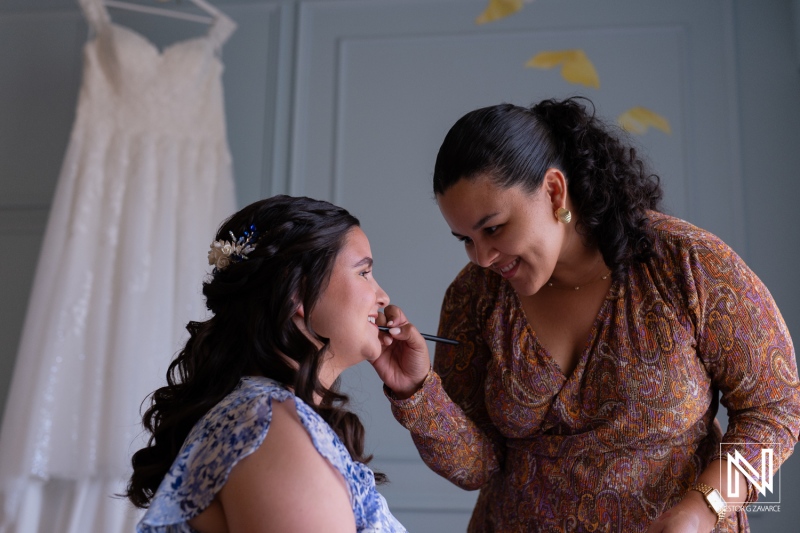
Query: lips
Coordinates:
[510,269]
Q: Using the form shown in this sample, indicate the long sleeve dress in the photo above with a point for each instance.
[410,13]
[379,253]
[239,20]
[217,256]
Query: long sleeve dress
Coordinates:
[621,439]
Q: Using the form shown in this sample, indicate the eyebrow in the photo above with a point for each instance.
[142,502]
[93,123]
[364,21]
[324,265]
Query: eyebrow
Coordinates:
[484,220]
[479,224]
[365,261]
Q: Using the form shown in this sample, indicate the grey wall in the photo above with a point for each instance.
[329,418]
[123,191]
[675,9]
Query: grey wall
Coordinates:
[768,80]
[348,100]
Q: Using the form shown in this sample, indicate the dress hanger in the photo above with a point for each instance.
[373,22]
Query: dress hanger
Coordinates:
[202,4]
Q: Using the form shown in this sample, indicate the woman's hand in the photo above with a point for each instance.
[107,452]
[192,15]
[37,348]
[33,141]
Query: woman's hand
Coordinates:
[404,362]
[690,515]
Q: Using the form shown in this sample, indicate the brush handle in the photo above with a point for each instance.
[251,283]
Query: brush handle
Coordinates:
[427,337]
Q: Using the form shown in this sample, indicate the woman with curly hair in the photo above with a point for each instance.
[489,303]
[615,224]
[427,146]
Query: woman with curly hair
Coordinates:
[595,336]
[250,434]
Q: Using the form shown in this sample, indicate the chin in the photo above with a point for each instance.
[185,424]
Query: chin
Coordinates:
[526,288]
[372,355]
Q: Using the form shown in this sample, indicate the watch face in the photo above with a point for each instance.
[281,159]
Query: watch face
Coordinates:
[715,500]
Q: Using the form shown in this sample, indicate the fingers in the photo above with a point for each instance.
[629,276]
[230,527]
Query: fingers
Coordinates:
[394,316]
[409,334]
[386,338]
[394,332]
[400,329]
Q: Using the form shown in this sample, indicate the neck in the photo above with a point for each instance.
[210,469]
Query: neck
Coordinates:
[584,267]
[575,287]
[328,373]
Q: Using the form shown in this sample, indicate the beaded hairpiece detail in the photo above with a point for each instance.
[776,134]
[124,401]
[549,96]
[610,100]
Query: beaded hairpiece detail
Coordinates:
[223,253]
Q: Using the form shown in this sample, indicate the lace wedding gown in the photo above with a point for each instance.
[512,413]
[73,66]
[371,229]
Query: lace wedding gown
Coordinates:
[145,181]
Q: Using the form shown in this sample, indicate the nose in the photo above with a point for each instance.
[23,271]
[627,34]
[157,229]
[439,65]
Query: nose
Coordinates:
[484,255]
[381,296]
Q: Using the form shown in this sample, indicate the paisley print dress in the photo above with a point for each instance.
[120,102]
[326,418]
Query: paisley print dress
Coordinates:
[622,438]
[232,430]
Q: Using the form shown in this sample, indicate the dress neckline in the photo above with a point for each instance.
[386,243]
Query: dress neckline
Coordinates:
[159,52]
[597,322]
[218,32]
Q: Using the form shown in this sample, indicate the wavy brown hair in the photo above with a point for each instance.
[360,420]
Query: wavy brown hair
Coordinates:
[252,332]
[608,182]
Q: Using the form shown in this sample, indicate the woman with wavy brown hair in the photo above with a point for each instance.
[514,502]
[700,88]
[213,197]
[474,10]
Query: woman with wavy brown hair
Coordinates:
[595,336]
[250,434]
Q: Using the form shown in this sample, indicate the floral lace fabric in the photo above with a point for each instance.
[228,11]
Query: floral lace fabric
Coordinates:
[231,431]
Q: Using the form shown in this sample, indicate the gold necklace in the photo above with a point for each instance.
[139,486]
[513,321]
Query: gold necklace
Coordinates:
[578,287]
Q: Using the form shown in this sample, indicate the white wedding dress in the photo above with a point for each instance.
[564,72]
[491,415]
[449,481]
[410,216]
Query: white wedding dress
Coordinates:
[145,182]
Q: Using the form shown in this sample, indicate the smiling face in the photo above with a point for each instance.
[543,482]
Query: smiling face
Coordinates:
[345,312]
[509,230]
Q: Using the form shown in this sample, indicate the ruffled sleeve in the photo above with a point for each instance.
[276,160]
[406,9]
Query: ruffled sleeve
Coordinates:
[232,430]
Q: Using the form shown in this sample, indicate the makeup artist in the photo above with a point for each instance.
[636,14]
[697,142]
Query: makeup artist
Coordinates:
[597,338]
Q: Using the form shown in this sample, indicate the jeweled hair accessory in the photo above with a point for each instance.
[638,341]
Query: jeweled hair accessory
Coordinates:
[223,253]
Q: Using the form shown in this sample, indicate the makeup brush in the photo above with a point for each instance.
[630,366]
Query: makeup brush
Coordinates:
[427,337]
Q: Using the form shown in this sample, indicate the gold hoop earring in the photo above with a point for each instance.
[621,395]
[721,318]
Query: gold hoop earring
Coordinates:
[563,215]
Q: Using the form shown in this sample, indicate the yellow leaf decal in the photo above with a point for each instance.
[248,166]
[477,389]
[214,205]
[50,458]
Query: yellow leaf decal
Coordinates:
[638,119]
[575,66]
[498,9]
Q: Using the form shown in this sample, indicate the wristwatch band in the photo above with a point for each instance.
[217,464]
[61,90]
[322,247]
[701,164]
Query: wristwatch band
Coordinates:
[713,499]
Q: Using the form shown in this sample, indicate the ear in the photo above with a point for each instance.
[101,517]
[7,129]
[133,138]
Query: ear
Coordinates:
[299,319]
[554,185]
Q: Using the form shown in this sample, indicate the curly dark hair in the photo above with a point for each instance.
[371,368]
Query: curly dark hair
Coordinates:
[609,185]
[252,332]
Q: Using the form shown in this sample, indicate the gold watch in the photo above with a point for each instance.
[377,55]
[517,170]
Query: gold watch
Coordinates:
[713,499]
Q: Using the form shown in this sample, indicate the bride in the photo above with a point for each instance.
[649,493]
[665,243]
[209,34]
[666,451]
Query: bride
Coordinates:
[249,434]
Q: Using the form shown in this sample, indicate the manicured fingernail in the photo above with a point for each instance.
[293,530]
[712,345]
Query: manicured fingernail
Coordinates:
[394,331]
[390,323]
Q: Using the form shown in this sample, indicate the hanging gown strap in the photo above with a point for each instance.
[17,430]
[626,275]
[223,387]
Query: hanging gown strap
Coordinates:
[221,29]
[96,14]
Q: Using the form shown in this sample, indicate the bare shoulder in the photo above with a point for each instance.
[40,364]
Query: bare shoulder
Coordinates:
[286,485]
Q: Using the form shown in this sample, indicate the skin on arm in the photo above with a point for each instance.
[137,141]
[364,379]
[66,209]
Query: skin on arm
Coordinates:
[286,485]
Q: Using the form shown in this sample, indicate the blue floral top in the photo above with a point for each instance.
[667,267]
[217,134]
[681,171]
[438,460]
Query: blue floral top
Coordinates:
[232,430]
